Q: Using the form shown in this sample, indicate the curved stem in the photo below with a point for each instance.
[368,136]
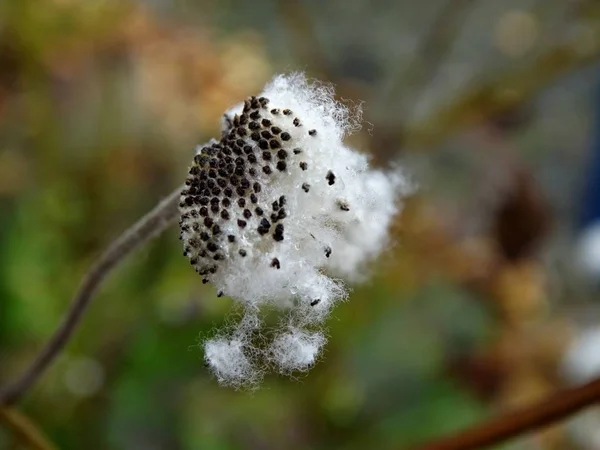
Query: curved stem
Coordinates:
[558,406]
[149,226]
[24,430]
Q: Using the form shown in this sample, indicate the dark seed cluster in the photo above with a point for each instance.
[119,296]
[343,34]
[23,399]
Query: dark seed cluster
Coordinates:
[224,188]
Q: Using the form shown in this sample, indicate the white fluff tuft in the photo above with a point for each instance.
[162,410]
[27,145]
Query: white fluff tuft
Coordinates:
[226,359]
[277,208]
[296,350]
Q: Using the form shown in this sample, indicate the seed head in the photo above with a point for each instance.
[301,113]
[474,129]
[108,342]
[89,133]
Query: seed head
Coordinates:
[275,209]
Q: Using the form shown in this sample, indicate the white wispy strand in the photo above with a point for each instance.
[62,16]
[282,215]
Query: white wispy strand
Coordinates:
[324,214]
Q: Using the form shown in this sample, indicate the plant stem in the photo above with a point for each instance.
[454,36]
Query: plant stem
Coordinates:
[24,430]
[558,406]
[149,226]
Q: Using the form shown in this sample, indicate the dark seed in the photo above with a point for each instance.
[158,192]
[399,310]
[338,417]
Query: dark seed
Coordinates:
[264,227]
[305,187]
[327,251]
[275,130]
[313,132]
[275,263]
[278,235]
[285,136]
[231,238]
[242,252]
[241,223]
[266,123]
[330,177]
[241,202]
[315,302]
[267,170]
[225,215]
[303,165]
[247,214]
[281,166]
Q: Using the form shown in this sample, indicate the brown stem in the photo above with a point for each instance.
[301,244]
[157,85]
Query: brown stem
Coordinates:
[149,226]
[24,430]
[557,407]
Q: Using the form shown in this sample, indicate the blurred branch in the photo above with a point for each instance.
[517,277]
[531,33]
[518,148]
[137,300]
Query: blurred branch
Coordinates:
[510,88]
[430,52]
[559,406]
[149,226]
[24,430]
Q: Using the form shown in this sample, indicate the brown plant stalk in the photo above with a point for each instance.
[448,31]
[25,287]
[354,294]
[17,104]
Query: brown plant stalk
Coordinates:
[149,226]
[558,406]
[24,430]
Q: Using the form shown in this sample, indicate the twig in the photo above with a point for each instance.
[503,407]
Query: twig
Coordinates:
[559,406]
[509,89]
[428,57]
[24,430]
[149,226]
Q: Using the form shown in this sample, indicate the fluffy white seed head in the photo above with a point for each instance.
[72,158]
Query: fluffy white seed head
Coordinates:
[280,206]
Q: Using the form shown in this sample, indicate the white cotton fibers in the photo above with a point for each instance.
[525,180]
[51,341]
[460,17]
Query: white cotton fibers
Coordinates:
[275,210]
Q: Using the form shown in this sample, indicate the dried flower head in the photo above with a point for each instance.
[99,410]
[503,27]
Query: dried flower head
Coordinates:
[277,208]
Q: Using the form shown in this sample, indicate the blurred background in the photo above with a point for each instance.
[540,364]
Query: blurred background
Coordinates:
[488,299]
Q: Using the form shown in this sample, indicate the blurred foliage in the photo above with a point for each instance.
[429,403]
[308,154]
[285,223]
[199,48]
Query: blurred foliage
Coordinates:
[101,105]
